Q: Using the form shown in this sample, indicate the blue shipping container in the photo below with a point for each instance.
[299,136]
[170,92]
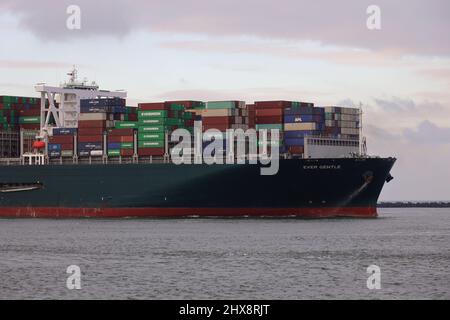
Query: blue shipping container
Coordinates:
[82,153]
[294,142]
[102,102]
[300,134]
[64,131]
[54,154]
[90,146]
[114,145]
[118,109]
[95,109]
[54,147]
[300,110]
[298,118]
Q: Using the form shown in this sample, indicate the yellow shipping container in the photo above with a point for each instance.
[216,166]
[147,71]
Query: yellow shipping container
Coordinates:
[300,126]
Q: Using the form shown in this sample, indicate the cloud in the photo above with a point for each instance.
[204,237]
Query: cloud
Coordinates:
[428,133]
[408,106]
[28,64]
[413,27]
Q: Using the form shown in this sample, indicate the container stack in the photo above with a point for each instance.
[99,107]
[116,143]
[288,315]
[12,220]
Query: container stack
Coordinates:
[20,113]
[251,116]
[293,119]
[153,123]
[96,116]
[269,115]
[302,120]
[342,122]
[120,142]
[61,143]
[223,115]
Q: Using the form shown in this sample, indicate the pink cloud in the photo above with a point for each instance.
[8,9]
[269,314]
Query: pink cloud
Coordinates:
[26,64]
[416,26]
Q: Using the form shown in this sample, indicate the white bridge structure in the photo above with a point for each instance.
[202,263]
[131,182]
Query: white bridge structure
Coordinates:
[64,102]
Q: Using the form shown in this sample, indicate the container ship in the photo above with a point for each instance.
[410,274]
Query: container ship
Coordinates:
[81,152]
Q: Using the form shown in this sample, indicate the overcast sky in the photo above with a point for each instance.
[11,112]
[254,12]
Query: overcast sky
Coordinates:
[318,51]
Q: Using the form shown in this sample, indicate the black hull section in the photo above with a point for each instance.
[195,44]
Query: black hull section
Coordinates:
[301,186]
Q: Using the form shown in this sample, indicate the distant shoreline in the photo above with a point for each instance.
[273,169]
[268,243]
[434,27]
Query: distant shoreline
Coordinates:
[414,204]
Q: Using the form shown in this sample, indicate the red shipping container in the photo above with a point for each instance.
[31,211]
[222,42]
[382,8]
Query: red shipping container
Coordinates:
[60,139]
[151,151]
[218,120]
[90,131]
[296,150]
[127,139]
[30,113]
[114,139]
[67,146]
[98,138]
[121,132]
[269,112]
[273,104]
[132,117]
[153,106]
[220,127]
[189,123]
[119,139]
[30,126]
[92,124]
[269,120]
[126,152]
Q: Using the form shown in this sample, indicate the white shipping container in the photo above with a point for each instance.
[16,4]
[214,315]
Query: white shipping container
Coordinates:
[352,111]
[300,126]
[93,116]
[96,153]
[349,117]
[350,131]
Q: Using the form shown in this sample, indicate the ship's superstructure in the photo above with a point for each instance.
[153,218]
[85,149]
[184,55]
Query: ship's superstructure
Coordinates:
[63,105]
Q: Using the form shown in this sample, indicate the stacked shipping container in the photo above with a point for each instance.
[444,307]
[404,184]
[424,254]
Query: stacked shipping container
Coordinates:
[342,122]
[302,119]
[20,113]
[110,118]
[106,117]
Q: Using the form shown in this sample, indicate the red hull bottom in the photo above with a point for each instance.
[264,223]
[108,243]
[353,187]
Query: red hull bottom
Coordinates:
[56,212]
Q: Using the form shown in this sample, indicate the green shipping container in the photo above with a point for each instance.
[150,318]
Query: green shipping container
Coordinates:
[151,136]
[221,105]
[114,153]
[152,121]
[146,129]
[126,125]
[199,105]
[177,107]
[127,145]
[30,120]
[269,126]
[152,114]
[175,122]
[151,144]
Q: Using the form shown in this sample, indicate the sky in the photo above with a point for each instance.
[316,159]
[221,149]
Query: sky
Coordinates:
[316,51]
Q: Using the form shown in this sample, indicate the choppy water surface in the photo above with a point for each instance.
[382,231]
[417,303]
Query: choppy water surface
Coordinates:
[229,259]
